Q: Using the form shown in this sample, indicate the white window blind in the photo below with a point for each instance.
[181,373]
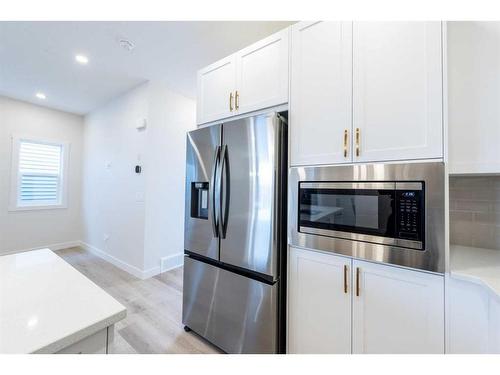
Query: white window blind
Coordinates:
[39,173]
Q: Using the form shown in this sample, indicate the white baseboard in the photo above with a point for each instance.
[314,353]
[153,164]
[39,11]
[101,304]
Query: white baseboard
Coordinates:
[151,272]
[171,262]
[64,245]
[133,270]
[167,263]
[53,247]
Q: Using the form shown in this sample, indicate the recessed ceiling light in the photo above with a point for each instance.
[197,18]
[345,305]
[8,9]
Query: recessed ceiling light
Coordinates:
[82,59]
[40,95]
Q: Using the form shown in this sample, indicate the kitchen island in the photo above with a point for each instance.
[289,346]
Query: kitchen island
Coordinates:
[47,306]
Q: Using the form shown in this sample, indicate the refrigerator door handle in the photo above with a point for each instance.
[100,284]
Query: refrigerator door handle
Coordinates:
[215,192]
[224,187]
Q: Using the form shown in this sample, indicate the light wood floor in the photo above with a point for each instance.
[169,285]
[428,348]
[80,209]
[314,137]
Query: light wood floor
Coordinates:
[154,307]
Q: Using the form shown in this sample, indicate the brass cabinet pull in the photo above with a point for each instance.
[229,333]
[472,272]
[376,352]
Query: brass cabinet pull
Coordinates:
[231,101]
[345,278]
[357,281]
[237,100]
[346,134]
[357,141]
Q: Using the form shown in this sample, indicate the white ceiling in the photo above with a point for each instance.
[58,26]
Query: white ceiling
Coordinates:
[39,56]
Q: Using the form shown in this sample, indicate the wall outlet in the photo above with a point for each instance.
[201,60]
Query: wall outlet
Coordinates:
[106,237]
[139,197]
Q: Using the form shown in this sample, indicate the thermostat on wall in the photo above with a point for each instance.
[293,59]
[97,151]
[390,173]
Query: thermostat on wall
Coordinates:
[141,125]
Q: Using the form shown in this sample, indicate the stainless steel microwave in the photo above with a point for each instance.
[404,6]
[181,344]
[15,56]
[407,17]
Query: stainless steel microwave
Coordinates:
[391,213]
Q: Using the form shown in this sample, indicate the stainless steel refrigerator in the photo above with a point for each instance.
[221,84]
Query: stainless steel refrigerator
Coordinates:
[235,234]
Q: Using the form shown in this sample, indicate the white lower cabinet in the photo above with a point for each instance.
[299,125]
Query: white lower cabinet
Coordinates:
[373,308]
[494,326]
[319,315]
[473,318]
[396,310]
[467,317]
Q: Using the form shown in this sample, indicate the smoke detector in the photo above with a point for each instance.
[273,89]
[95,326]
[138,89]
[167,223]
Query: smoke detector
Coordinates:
[126,44]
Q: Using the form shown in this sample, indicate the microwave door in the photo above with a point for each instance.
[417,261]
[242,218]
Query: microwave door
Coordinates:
[250,165]
[201,218]
[350,208]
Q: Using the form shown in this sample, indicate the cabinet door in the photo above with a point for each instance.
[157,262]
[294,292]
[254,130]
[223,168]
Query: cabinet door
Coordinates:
[473,89]
[397,90]
[262,73]
[467,317]
[320,93]
[397,310]
[319,308]
[494,325]
[216,83]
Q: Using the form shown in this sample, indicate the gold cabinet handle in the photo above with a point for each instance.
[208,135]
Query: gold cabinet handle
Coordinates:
[345,278]
[357,281]
[358,131]
[237,100]
[231,101]
[346,136]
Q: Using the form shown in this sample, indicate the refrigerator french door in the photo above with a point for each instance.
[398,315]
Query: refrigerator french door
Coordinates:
[235,234]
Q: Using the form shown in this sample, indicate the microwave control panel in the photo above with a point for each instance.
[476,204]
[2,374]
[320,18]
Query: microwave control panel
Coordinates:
[409,214]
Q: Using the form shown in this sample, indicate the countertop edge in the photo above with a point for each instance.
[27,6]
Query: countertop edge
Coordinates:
[75,337]
[474,264]
[476,280]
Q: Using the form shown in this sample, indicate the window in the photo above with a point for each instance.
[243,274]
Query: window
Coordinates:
[38,174]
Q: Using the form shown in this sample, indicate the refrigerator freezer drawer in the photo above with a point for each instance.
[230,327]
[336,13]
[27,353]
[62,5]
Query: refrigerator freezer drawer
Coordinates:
[236,313]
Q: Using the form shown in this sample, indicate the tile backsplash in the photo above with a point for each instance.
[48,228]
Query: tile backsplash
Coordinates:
[475,211]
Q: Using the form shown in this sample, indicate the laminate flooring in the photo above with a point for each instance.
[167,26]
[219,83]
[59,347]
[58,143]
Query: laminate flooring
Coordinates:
[154,307]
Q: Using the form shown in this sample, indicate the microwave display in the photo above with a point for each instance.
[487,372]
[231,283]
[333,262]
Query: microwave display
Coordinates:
[364,211]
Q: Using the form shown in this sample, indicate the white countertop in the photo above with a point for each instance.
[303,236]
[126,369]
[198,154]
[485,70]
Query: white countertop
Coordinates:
[477,265]
[46,304]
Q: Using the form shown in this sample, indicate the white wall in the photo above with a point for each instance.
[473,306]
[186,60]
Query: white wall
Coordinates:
[22,230]
[140,233]
[170,117]
[110,184]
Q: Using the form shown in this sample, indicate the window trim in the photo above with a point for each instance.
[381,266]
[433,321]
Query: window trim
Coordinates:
[15,177]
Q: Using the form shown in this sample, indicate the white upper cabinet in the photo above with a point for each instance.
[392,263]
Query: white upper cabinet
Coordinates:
[216,87]
[254,78]
[262,73]
[320,92]
[397,310]
[319,303]
[397,91]
[474,94]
